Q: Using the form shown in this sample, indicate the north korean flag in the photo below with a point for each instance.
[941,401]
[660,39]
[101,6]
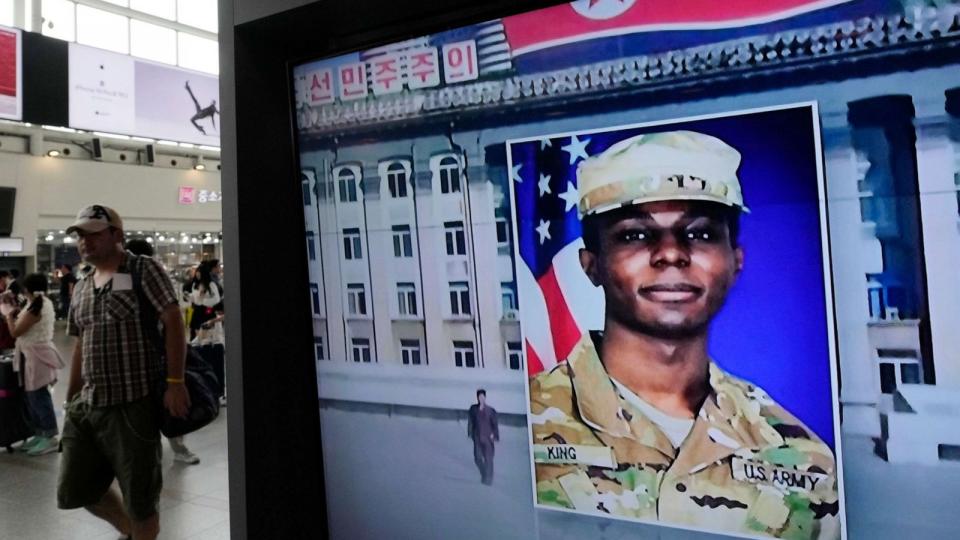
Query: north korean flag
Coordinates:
[587,31]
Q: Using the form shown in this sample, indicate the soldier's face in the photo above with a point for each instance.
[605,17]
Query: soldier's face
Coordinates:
[665,267]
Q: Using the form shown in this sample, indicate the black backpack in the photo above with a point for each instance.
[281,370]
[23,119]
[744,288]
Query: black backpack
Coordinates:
[199,377]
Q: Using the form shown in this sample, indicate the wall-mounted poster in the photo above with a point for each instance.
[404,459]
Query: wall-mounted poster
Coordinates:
[11,79]
[121,94]
[638,261]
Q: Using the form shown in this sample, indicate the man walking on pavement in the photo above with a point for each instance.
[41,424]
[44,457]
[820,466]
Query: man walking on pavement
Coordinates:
[482,428]
[112,425]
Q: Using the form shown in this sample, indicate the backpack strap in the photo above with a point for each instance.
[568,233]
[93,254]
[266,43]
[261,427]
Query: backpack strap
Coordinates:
[148,316]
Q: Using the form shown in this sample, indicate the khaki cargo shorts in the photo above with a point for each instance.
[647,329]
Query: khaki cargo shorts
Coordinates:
[103,443]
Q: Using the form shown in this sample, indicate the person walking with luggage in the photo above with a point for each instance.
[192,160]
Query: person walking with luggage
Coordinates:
[181,452]
[208,341]
[37,360]
[111,425]
[482,428]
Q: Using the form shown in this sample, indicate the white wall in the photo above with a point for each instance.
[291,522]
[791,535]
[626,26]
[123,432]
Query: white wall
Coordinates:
[51,190]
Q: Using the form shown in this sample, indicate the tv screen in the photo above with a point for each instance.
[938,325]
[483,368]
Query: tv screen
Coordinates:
[8,199]
[600,269]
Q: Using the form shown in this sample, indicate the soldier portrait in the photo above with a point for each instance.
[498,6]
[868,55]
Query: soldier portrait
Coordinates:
[638,419]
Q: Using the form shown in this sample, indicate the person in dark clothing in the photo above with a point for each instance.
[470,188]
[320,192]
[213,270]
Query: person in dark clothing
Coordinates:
[67,282]
[205,297]
[482,428]
[11,276]
[6,340]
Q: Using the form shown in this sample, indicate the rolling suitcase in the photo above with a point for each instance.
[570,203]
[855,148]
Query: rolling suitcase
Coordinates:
[13,412]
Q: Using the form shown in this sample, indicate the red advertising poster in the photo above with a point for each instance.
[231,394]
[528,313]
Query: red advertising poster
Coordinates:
[10,95]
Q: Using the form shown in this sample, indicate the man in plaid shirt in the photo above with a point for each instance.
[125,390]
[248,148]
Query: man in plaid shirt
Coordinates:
[111,426]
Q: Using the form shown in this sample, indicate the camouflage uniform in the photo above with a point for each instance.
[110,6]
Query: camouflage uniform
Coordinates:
[747,466]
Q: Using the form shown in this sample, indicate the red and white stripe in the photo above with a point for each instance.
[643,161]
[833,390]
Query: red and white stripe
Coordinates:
[557,309]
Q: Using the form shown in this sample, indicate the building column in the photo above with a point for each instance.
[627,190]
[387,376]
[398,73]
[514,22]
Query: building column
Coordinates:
[938,152]
[855,253]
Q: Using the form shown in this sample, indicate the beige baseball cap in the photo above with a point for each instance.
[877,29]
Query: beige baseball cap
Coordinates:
[95,218]
[672,165]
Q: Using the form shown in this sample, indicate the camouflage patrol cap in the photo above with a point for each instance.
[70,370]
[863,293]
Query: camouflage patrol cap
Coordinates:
[673,165]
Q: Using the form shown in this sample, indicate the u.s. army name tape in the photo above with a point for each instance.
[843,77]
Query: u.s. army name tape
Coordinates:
[759,472]
[598,456]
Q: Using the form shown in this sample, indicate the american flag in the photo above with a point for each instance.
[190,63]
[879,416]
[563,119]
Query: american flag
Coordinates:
[557,301]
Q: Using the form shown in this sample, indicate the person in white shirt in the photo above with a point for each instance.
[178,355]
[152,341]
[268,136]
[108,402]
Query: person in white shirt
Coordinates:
[32,327]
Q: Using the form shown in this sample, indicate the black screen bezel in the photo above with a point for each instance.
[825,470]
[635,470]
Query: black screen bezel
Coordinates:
[276,464]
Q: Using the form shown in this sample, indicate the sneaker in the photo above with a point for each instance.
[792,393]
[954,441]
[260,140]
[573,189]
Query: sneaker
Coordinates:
[27,446]
[186,456]
[46,445]
[223,401]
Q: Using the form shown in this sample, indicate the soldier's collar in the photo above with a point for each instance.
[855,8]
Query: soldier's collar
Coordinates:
[731,409]
[600,405]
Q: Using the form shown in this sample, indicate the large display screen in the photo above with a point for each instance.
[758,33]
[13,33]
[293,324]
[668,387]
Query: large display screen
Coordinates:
[11,77]
[117,93]
[617,269]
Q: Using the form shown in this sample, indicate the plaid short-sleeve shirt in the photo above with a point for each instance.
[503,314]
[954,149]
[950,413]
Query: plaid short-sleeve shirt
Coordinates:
[120,361]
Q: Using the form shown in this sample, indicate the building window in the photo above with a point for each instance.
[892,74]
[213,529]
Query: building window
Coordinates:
[406,299]
[410,352]
[910,373]
[311,246]
[449,169]
[103,29]
[348,185]
[59,18]
[897,367]
[351,244]
[197,53]
[153,42]
[318,345]
[356,299]
[888,378]
[456,241]
[402,241]
[503,232]
[956,177]
[463,354]
[315,298]
[459,298]
[305,185]
[508,297]
[161,8]
[876,299]
[514,355]
[198,13]
[360,350]
[397,180]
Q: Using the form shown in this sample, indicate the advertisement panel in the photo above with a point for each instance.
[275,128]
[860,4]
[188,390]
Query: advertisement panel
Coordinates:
[121,94]
[11,77]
